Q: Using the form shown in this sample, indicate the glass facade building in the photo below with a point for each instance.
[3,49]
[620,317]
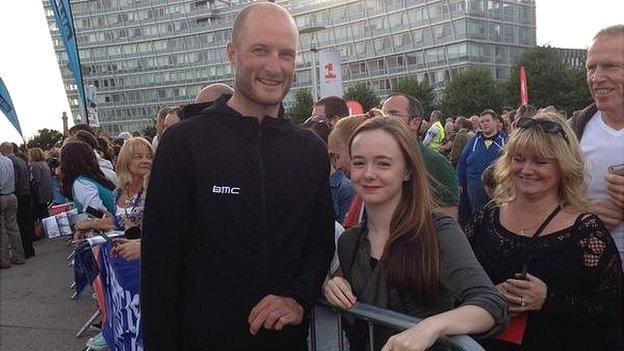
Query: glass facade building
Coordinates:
[144,54]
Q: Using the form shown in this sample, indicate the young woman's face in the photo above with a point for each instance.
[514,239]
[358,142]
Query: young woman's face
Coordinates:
[378,168]
[535,175]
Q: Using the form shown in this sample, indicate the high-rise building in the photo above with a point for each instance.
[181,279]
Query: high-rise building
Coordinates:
[144,54]
[572,57]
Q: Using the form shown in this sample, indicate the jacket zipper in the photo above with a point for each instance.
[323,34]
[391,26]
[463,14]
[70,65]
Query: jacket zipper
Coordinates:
[263,205]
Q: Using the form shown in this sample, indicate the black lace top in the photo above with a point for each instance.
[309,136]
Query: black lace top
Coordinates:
[581,268]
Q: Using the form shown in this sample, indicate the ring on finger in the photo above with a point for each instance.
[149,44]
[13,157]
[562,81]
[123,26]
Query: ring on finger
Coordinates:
[522,303]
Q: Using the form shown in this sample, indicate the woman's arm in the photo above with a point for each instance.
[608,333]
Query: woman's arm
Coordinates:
[462,320]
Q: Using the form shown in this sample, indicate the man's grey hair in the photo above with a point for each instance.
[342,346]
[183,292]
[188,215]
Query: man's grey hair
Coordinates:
[617,29]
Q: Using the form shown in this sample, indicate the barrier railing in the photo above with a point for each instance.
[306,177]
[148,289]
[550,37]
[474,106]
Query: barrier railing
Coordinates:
[378,316]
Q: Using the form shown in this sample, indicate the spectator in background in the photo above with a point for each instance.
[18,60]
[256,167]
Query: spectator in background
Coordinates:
[105,165]
[212,92]
[83,182]
[340,185]
[133,165]
[42,183]
[172,117]
[332,107]
[339,155]
[54,162]
[406,257]
[205,98]
[25,217]
[409,110]
[160,123]
[435,134]
[11,249]
[600,129]
[464,133]
[474,122]
[550,257]
[480,151]
[81,126]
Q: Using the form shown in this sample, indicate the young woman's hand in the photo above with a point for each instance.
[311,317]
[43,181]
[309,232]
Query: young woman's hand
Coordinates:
[338,292]
[417,338]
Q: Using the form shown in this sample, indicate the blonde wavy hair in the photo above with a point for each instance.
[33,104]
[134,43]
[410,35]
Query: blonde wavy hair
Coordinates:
[568,155]
[129,148]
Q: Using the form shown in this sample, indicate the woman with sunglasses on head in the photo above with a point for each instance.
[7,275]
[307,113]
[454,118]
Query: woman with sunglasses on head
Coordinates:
[552,259]
[405,256]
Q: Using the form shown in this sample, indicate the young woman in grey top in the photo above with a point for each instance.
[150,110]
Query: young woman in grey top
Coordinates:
[405,257]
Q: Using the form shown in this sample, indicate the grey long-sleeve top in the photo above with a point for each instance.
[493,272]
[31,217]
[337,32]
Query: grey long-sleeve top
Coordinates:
[462,280]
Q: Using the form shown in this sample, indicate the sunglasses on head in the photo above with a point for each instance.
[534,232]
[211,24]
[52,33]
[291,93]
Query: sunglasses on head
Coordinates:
[546,126]
[317,119]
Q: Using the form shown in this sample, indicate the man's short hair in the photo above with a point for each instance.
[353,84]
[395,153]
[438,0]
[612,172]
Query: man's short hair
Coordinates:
[617,29]
[414,107]
[81,126]
[437,114]
[491,113]
[334,107]
[241,18]
[212,92]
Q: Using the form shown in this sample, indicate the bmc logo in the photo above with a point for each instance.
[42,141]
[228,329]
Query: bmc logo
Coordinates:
[225,190]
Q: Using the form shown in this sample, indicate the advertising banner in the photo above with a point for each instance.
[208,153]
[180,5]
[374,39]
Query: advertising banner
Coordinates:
[330,74]
[65,23]
[524,88]
[6,106]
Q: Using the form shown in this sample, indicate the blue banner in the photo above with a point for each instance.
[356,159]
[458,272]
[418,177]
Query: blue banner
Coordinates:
[6,106]
[120,280]
[65,23]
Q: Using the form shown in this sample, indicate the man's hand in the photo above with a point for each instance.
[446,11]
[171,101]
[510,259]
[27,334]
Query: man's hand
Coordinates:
[274,312]
[615,187]
[610,214]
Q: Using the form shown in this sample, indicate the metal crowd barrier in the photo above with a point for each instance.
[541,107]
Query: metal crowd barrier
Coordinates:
[378,316]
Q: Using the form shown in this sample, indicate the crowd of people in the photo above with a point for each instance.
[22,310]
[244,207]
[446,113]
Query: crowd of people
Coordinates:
[241,220]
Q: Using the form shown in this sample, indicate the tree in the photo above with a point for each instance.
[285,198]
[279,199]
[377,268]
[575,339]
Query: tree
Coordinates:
[548,79]
[302,109]
[149,131]
[46,139]
[362,94]
[422,91]
[470,92]
[577,97]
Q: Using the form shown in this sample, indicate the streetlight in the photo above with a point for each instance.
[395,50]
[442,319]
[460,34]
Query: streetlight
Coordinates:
[314,50]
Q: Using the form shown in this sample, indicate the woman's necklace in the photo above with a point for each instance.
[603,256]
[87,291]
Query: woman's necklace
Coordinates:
[523,229]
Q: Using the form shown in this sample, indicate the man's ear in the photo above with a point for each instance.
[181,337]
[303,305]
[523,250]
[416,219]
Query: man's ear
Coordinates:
[231,52]
[407,177]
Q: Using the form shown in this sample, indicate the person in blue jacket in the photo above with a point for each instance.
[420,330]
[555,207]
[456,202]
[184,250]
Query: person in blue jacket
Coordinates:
[480,151]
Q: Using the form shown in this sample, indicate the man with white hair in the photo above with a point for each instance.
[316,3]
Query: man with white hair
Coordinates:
[600,129]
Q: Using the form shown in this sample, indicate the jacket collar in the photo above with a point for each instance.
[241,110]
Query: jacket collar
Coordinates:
[247,125]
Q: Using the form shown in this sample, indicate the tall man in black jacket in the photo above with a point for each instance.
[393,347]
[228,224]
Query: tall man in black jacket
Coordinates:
[238,231]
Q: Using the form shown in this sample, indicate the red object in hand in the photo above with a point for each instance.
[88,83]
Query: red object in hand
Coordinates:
[515,330]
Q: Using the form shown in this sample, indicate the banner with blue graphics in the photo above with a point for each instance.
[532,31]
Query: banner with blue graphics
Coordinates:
[120,280]
[6,106]
[65,23]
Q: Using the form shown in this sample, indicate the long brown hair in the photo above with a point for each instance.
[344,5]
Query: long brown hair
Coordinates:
[411,254]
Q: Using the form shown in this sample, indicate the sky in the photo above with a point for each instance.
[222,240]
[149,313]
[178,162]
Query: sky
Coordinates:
[30,71]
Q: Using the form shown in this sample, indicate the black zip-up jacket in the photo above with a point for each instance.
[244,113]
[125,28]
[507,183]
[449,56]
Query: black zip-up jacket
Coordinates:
[235,210]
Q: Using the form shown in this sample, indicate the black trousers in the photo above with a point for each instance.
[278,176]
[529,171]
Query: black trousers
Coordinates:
[26,223]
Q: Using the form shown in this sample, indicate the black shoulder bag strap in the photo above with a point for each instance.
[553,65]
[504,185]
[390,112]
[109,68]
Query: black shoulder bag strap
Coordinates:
[529,248]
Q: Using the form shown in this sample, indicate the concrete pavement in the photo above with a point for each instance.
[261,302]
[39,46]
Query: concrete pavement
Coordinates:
[35,310]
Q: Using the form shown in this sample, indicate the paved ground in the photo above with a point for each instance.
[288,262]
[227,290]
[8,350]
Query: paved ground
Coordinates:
[35,310]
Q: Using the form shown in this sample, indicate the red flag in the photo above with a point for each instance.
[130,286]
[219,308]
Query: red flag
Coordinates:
[524,88]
